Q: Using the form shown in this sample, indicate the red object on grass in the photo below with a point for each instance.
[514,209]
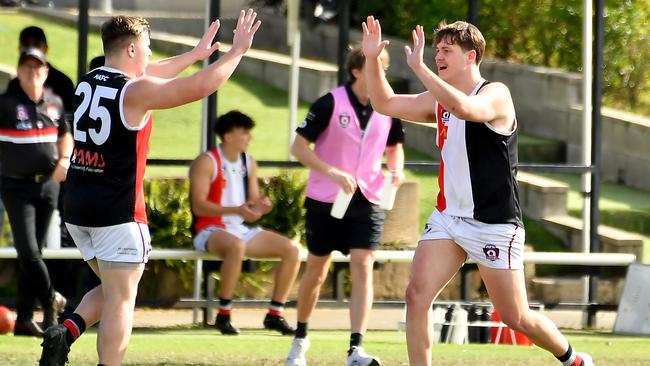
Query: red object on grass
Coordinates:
[7,320]
[506,334]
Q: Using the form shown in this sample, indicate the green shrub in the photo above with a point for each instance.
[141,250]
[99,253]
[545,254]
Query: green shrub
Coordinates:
[170,219]
[287,191]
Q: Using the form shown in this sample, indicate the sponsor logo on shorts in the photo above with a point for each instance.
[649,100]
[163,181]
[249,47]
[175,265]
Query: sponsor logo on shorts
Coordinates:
[427,228]
[127,251]
[491,252]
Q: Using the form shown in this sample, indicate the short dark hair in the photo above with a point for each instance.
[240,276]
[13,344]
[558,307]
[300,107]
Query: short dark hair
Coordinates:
[464,34]
[119,31]
[231,120]
[32,36]
[355,60]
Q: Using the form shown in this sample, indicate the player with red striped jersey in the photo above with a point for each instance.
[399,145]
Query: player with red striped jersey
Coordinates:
[477,213]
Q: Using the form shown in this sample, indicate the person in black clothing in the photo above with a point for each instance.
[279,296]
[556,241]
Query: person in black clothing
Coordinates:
[105,206]
[60,85]
[57,82]
[35,147]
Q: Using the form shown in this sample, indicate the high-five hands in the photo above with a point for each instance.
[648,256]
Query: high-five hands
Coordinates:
[414,57]
[372,45]
[205,47]
[245,30]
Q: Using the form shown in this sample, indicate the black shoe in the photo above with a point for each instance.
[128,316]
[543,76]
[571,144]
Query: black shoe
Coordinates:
[51,313]
[27,328]
[225,326]
[276,322]
[55,349]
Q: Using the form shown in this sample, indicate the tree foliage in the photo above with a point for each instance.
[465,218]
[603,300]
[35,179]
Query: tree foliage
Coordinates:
[540,32]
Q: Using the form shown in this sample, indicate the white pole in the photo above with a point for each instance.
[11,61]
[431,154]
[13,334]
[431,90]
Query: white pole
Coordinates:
[293,40]
[204,107]
[587,57]
[107,6]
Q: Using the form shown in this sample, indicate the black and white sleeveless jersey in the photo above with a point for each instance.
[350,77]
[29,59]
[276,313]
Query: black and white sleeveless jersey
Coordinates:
[478,169]
[104,186]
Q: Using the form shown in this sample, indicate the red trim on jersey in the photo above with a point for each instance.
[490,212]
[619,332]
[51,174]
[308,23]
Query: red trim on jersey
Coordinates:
[510,245]
[442,137]
[142,149]
[214,195]
[30,132]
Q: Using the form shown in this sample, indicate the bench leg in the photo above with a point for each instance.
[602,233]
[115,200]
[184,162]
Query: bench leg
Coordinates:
[198,273]
[209,288]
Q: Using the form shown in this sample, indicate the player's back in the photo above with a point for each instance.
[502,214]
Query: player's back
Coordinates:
[105,179]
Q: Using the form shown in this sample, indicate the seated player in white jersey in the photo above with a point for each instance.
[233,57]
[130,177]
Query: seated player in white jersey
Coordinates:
[477,213]
[225,197]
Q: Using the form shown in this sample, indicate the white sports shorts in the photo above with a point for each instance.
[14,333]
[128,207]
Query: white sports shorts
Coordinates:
[129,242]
[241,231]
[499,246]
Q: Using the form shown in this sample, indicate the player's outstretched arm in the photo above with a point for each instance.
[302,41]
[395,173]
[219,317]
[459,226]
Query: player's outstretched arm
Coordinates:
[416,107]
[150,93]
[172,66]
[492,103]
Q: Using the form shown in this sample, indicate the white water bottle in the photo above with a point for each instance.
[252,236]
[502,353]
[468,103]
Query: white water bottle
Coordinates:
[341,204]
[438,321]
[388,192]
[459,328]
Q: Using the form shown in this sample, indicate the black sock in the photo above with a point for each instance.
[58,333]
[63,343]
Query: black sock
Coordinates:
[225,306]
[565,357]
[275,308]
[75,326]
[301,330]
[356,339]
[568,355]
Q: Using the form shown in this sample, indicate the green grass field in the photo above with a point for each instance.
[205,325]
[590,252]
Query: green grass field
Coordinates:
[254,347]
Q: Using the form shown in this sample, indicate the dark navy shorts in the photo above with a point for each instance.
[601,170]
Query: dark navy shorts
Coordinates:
[360,228]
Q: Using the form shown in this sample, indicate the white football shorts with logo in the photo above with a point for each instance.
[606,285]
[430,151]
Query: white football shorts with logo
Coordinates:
[241,231]
[129,242]
[499,246]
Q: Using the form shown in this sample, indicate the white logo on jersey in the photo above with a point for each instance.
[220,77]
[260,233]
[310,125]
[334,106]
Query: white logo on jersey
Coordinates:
[445,117]
[101,77]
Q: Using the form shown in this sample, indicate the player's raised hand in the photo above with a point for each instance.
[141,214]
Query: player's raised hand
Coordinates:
[245,30]
[205,47]
[414,57]
[372,45]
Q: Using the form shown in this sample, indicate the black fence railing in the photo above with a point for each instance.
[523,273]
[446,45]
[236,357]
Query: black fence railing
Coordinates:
[416,165]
